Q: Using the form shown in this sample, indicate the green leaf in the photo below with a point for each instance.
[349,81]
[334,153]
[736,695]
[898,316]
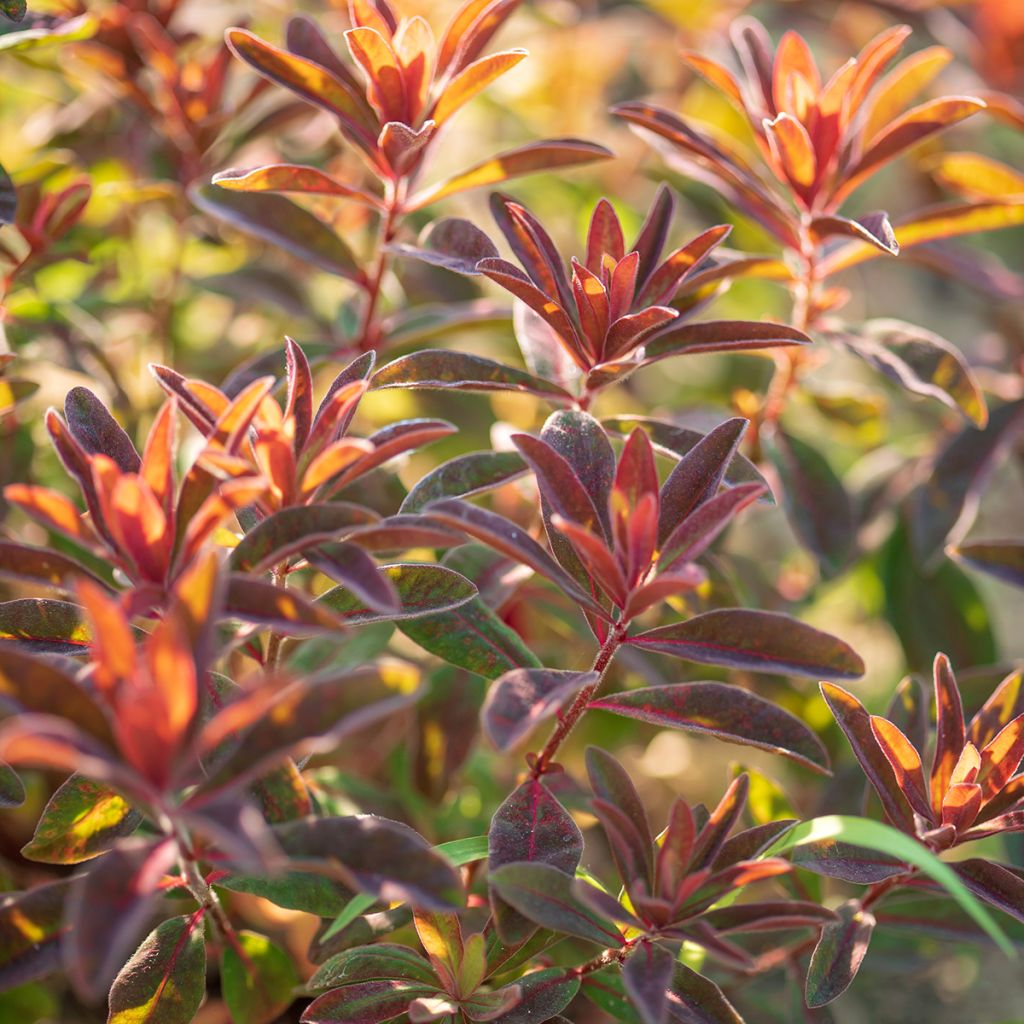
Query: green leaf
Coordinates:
[281,222]
[464,851]
[366,1002]
[875,836]
[544,994]
[381,962]
[467,474]
[462,371]
[295,890]
[257,979]
[12,792]
[422,590]
[82,820]
[70,31]
[471,636]
[42,626]
[816,502]
[165,981]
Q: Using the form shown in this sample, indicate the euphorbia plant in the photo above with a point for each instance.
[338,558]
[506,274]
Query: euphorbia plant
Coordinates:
[320,706]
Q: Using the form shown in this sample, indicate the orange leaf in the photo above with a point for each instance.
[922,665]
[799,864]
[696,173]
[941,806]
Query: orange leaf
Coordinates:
[901,86]
[471,80]
[372,52]
[906,763]
[292,178]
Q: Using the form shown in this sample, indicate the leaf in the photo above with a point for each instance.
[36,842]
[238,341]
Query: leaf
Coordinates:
[35,685]
[544,994]
[942,506]
[530,825]
[453,243]
[931,611]
[258,979]
[292,178]
[947,220]
[289,530]
[12,792]
[348,564]
[49,568]
[381,857]
[695,999]
[647,975]
[816,502]
[528,159]
[43,626]
[367,1002]
[468,474]
[277,220]
[462,371]
[910,128]
[837,957]
[546,896]
[294,890]
[678,441]
[873,228]
[728,713]
[472,637]
[760,641]
[1002,559]
[424,323]
[994,883]
[108,906]
[97,431]
[31,925]
[382,962]
[82,820]
[612,785]
[921,362]
[69,31]
[8,198]
[13,9]
[422,590]
[523,697]
[511,540]
[471,80]
[311,714]
[720,336]
[286,610]
[165,980]
[835,859]
[876,836]
[978,177]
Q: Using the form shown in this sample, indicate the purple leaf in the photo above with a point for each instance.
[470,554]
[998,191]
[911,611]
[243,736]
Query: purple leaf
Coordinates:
[531,825]
[760,641]
[612,784]
[31,926]
[837,957]
[647,975]
[97,431]
[519,699]
[422,590]
[727,712]
[453,243]
[108,906]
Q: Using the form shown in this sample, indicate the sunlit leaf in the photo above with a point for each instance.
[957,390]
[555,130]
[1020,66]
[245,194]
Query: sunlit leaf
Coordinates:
[837,957]
[281,222]
[726,712]
[528,159]
[422,590]
[762,641]
[258,978]
[165,980]
[82,820]
[522,697]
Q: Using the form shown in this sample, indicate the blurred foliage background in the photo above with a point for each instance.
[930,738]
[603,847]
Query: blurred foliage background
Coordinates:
[144,276]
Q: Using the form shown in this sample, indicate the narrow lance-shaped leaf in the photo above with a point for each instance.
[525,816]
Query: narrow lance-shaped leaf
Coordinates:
[921,362]
[422,590]
[727,712]
[281,222]
[462,371]
[1002,559]
[839,953]
[647,974]
[465,475]
[528,159]
[31,925]
[941,507]
[761,641]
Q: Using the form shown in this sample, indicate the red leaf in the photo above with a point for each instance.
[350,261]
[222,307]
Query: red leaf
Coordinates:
[519,699]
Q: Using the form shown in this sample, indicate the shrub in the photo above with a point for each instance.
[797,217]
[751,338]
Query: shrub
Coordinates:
[310,674]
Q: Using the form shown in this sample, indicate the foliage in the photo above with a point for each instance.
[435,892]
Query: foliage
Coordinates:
[312,654]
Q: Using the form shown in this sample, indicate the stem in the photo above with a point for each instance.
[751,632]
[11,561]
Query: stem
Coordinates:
[789,361]
[368,328]
[200,889]
[568,718]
